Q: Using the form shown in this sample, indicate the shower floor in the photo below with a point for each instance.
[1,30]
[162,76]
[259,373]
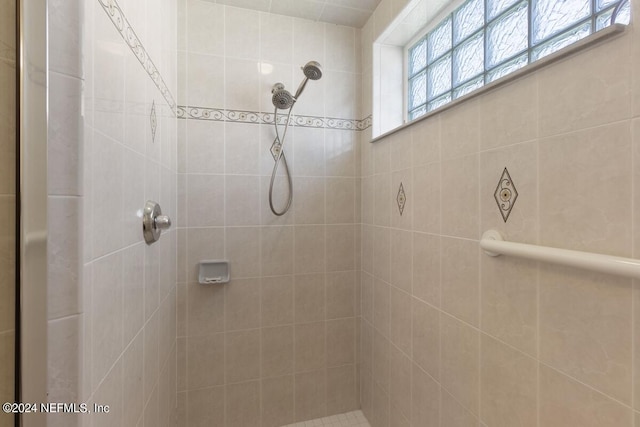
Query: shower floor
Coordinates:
[350,419]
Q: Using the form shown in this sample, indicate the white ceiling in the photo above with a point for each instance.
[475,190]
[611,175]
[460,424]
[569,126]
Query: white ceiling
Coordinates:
[352,13]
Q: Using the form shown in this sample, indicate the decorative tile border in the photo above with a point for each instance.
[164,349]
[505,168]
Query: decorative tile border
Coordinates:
[505,194]
[240,116]
[115,13]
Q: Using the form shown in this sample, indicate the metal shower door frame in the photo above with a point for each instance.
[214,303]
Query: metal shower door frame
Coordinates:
[31,218]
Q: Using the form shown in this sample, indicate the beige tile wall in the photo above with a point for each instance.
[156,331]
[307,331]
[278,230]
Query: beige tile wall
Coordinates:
[496,341]
[111,298]
[7,206]
[278,344]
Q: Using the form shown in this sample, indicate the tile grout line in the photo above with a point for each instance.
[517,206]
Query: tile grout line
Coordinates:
[537,263]
[479,283]
[439,236]
[294,214]
[260,347]
[411,325]
[224,213]
[634,281]
[185,273]
[324,197]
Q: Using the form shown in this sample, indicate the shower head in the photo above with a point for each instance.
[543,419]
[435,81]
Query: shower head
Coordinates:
[312,71]
[282,98]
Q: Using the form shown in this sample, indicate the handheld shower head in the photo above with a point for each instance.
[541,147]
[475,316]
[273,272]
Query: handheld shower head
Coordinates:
[312,71]
[282,98]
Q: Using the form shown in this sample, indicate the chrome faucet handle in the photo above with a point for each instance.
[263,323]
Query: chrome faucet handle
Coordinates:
[153,222]
[163,222]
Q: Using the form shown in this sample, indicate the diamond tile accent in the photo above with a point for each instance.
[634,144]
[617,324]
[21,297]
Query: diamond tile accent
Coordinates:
[154,121]
[275,148]
[506,194]
[401,198]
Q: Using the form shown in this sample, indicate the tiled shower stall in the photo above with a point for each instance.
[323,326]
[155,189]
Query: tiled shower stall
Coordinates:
[278,343]
[372,293]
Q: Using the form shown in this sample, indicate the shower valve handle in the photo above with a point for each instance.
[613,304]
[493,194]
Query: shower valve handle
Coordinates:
[153,222]
[163,222]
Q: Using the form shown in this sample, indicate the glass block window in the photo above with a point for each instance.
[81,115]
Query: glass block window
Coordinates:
[484,40]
